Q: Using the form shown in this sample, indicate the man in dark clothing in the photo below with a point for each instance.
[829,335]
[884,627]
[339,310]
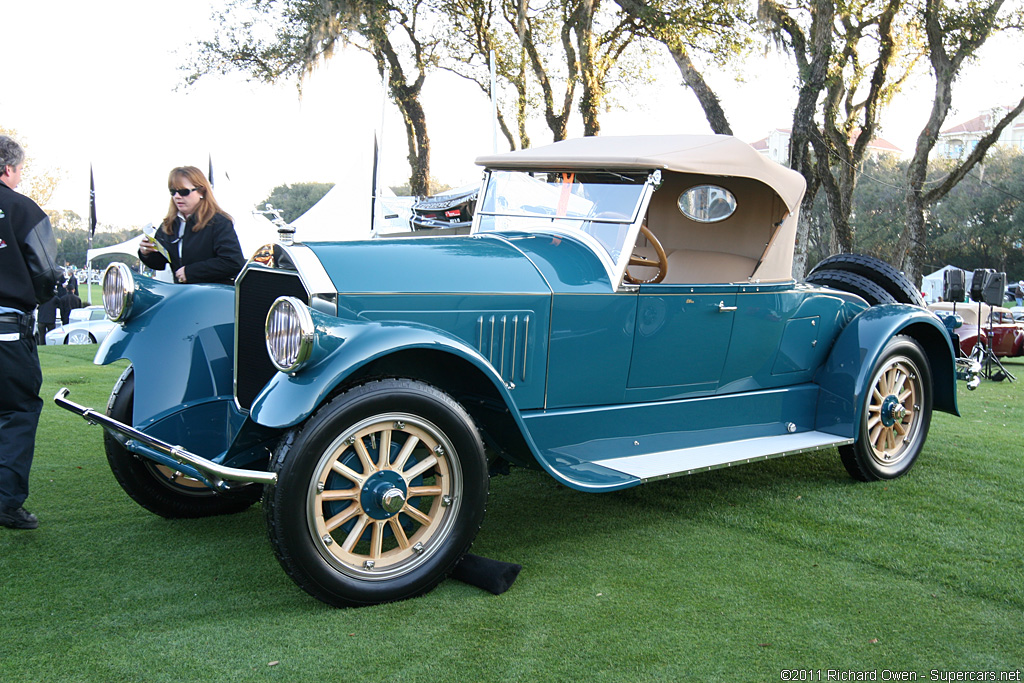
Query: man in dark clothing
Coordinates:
[73,301]
[64,304]
[67,301]
[28,275]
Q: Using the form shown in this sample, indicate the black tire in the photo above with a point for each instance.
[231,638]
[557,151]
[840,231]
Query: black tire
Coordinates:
[878,271]
[852,283]
[896,414]
[156,487]
[351,530]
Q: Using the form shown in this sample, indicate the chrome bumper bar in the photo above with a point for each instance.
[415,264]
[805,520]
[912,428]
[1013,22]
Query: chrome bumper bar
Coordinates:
[214,474]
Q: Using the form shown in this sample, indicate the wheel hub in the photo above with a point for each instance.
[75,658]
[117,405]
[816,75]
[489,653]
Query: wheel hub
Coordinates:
[893,411]
[383,495]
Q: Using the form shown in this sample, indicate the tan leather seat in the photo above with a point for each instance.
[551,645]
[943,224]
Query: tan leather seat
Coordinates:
[697,267]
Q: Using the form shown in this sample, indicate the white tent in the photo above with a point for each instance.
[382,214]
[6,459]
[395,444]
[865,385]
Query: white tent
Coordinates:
[344,213]
[254,230]
[341,214]
[931,284]
[129,247]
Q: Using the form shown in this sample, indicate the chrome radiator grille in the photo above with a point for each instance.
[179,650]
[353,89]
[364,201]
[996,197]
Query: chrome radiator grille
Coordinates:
[255,290]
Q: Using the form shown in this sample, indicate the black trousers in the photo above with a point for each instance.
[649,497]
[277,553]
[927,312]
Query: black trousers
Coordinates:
[20,406]
[42,329]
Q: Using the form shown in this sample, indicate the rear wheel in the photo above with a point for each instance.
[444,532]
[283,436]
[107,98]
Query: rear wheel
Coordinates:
[877,271]
[378,495]
[158,488]
[895,414]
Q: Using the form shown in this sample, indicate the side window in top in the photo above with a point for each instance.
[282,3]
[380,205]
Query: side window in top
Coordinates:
[707,203]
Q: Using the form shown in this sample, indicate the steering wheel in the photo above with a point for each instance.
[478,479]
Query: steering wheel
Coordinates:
[635,260]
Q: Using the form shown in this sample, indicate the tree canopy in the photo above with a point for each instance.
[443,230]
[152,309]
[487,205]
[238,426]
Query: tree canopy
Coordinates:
[979,223]
[273,40]
[296,199]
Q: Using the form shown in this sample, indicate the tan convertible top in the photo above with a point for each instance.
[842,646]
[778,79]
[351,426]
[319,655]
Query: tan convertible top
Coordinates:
[717,155]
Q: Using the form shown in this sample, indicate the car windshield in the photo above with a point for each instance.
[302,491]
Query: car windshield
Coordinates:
[599,206]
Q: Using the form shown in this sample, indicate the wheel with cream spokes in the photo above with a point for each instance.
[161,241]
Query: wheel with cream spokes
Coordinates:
[379,494]
[895,414]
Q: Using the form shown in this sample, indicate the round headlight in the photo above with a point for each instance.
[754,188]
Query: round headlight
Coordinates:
[289,334]
[118,290]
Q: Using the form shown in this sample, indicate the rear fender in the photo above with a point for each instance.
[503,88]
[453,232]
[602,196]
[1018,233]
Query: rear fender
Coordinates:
[846,374]
[288,399]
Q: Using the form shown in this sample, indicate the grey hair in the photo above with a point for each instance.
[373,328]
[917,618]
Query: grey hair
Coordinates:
[11,153]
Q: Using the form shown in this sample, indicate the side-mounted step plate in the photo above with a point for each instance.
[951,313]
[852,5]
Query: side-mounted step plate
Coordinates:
[683,461]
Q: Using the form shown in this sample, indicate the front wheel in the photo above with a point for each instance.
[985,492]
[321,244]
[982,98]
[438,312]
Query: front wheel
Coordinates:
[79,337]
[378,495]
[158,488]
[896,413]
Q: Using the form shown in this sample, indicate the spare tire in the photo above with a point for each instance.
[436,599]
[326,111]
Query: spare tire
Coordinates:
[852,283]
[877,271]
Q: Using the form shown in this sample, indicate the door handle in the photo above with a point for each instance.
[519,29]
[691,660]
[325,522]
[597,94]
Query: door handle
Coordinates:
[722,308]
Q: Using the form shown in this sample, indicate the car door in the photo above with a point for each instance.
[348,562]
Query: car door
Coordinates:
[1006,335]
[681,340]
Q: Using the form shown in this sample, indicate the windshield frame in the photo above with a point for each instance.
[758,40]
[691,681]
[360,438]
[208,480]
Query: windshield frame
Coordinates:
[574,226]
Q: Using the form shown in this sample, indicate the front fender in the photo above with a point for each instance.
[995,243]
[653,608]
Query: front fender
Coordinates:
[845,375]
[288,399]
[180,340]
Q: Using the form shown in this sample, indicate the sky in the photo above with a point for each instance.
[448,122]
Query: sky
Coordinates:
[99,83]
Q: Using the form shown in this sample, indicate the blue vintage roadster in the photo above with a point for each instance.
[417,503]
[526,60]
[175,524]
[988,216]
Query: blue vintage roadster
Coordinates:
[622,311]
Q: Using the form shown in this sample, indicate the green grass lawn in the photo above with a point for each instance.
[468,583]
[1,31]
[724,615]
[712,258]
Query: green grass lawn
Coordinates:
[731,575]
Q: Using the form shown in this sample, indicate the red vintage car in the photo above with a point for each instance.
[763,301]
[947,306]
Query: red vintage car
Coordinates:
[1007,333]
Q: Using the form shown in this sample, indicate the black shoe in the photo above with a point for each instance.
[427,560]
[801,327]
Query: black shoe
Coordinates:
[18,518]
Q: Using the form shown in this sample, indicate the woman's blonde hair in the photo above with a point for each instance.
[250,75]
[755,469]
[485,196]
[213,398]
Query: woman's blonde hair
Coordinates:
[181,177]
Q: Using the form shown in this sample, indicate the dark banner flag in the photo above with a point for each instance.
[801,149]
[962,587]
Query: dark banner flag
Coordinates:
[209,175]
[92,206]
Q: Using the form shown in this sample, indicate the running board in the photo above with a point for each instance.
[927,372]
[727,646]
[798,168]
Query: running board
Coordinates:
[674,463]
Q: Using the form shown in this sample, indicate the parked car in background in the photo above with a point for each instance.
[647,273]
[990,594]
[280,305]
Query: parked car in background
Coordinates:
[622,312]
[450,209]
[1007,333]
[89,276]
[88,325]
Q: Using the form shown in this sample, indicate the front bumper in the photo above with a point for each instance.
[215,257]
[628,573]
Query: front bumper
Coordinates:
[216,476]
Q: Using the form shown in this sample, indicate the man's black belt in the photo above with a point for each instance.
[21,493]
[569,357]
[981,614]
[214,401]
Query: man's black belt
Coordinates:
[16,322]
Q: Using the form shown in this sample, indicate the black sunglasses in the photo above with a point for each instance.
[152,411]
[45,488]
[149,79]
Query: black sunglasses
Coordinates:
[184,191]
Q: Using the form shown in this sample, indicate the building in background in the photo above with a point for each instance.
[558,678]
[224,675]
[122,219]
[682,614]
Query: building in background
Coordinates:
[776,146]
[960,140]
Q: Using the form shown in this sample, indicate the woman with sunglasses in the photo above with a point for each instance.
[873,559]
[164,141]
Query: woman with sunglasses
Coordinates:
[197,235]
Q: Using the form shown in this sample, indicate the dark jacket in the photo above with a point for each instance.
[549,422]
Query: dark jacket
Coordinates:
[28,270]
[67,302]
[47,314]
[209,255]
